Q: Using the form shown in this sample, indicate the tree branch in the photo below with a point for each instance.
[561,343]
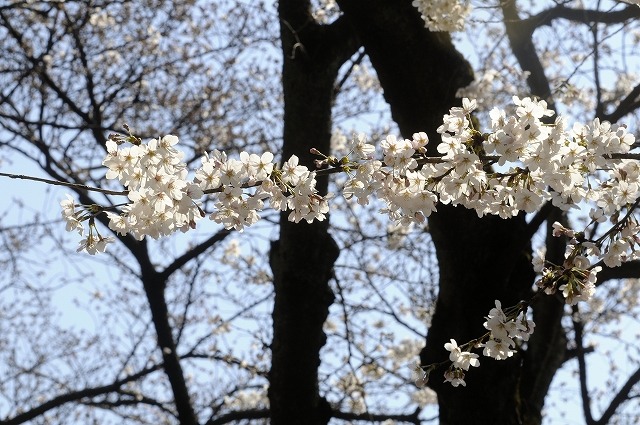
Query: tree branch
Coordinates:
[77,186]
[627,270]
[585,16]
[519,33]
[238,416]
[540,217]
[412,418]
[76,396]
[194,252]
[621,397]
[154,287]
[627,105]
[582,367]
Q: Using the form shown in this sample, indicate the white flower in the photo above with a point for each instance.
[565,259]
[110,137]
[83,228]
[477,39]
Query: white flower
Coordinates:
[70,215]
[461,359]
[560,230]
[360,147]
[258,168]
[468,105]
[419,141]
[419,376]
[455,377]
[539,260]
[524,329]
[292,172]
[443,15]
[93,244]
[498,348]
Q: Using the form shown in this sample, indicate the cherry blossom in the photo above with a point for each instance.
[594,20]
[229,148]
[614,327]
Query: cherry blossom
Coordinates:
[443,15]
[461,359]
[522,163]
[518,166]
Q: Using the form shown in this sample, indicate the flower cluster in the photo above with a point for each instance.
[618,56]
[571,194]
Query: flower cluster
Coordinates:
[504,329]
[576,277]
[162,199]
[402,187]
[289,188]
[443,15]
[94,242]
[523,162]
[499,343]
[460,361]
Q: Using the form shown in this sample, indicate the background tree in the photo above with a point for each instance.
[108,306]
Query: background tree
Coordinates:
[73,72]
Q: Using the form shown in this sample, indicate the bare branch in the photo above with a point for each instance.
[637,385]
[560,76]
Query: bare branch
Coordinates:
[585,16]
[77,396]
[627,270]
[519,33]
[412,418]
[620,397]
[582,367]
[77,186]
[627,105]
[194,252]
[238,416]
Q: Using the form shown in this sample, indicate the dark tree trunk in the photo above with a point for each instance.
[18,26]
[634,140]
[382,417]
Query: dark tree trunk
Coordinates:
[154,287]
[480,260]
[303,257]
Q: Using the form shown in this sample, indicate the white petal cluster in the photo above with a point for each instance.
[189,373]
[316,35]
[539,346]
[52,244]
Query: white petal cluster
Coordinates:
[443,15]
[460,361]
[503,331]
[71,216]
[94,242]
[576,277]
[290,188]
[523,162]
[399,184]
[505,328]
[519,165]
[162,200]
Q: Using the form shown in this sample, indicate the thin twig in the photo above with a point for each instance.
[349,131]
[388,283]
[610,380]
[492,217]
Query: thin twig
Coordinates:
[66,184]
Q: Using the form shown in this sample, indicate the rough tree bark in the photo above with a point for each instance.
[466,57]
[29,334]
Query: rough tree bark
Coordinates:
[303,257]
[480,260]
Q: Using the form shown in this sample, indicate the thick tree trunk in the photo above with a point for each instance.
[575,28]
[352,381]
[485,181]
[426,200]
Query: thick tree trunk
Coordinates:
[480,260]
[302,259]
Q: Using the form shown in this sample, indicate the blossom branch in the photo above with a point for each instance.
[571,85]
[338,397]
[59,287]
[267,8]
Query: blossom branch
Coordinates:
[544,166]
